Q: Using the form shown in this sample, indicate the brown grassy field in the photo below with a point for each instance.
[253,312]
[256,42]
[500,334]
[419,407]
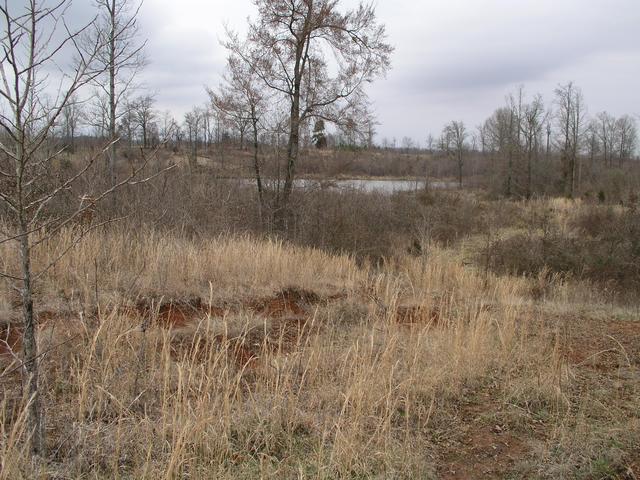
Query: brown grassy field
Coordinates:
[240,357]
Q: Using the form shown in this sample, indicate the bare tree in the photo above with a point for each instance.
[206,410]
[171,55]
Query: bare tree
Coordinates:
[292,44]
[531,124]
[128,126]
[243,99]
[430,143]
[34,41]
[144,115]
[27,121]
[455,143]
[97,115]
[501,131]
[570,116]
[72,115]
[605,127]
[168,127]
[193,124]
[626,138]
[593,140]
[121,59]
[482,137]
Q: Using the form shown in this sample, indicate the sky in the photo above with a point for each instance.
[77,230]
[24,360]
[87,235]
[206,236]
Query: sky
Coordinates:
[453,59]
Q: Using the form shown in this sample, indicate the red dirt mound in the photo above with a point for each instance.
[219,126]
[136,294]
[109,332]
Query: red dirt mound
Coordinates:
[288,302]
[176,313]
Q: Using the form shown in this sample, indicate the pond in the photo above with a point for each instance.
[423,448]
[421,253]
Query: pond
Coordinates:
[382,186]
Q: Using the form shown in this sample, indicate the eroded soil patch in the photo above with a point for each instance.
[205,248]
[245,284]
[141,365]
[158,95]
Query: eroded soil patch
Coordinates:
[602,345]
[602,354]
[285,315]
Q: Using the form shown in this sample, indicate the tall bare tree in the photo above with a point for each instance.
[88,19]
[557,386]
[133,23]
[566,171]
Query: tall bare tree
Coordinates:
[501,131]
[122,58]
[531,125]
[193,121]
[605,126]
[72,115]
[570,116]
[242,97]
[144,114]
[626,138]
[34,93]
[29,46]
[455,141]
[168,127]
[316,57]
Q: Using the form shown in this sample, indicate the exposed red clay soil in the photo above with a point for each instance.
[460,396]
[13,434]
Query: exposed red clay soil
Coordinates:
[11,333]
[180,313]
[280,336]
[603,345]
[288,302]
[484,452]
[174,313]
[288,310]
[287,313]
[481,450]
[10,339]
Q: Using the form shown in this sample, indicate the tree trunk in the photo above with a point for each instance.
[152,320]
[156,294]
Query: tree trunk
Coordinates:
[112,96]
[35,421]
[256,165]
[292,150]
[193,158]
[529,170]
[31,377]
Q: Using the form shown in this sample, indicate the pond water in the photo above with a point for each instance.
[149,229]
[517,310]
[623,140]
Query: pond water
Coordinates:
[383,186]
[388,186]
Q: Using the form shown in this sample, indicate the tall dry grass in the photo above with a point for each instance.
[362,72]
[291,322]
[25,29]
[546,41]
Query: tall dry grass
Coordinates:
[356,392]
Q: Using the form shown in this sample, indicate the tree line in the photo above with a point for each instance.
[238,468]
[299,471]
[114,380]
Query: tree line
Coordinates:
[526,136]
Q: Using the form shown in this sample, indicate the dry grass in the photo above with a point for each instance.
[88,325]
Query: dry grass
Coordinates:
[369,374]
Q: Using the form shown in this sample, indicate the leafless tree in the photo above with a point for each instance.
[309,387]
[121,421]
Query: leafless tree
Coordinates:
[531,125]
[570,116]
[168,127]
[97,114]
[605,126]
[455,143]
[123,56]
[430,143]
[593,140]
[626,138]
[127,128]
[32,102]
[144,114]
[407,144]
[193,124]
[482,137]
[29,46]
[501,130]
[243,98]
[72,115]
[295,44]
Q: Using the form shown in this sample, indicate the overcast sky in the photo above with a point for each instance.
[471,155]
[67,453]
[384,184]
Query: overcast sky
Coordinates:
[454,59]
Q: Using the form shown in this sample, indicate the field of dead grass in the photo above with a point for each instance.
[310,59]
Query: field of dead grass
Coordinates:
[235,357]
